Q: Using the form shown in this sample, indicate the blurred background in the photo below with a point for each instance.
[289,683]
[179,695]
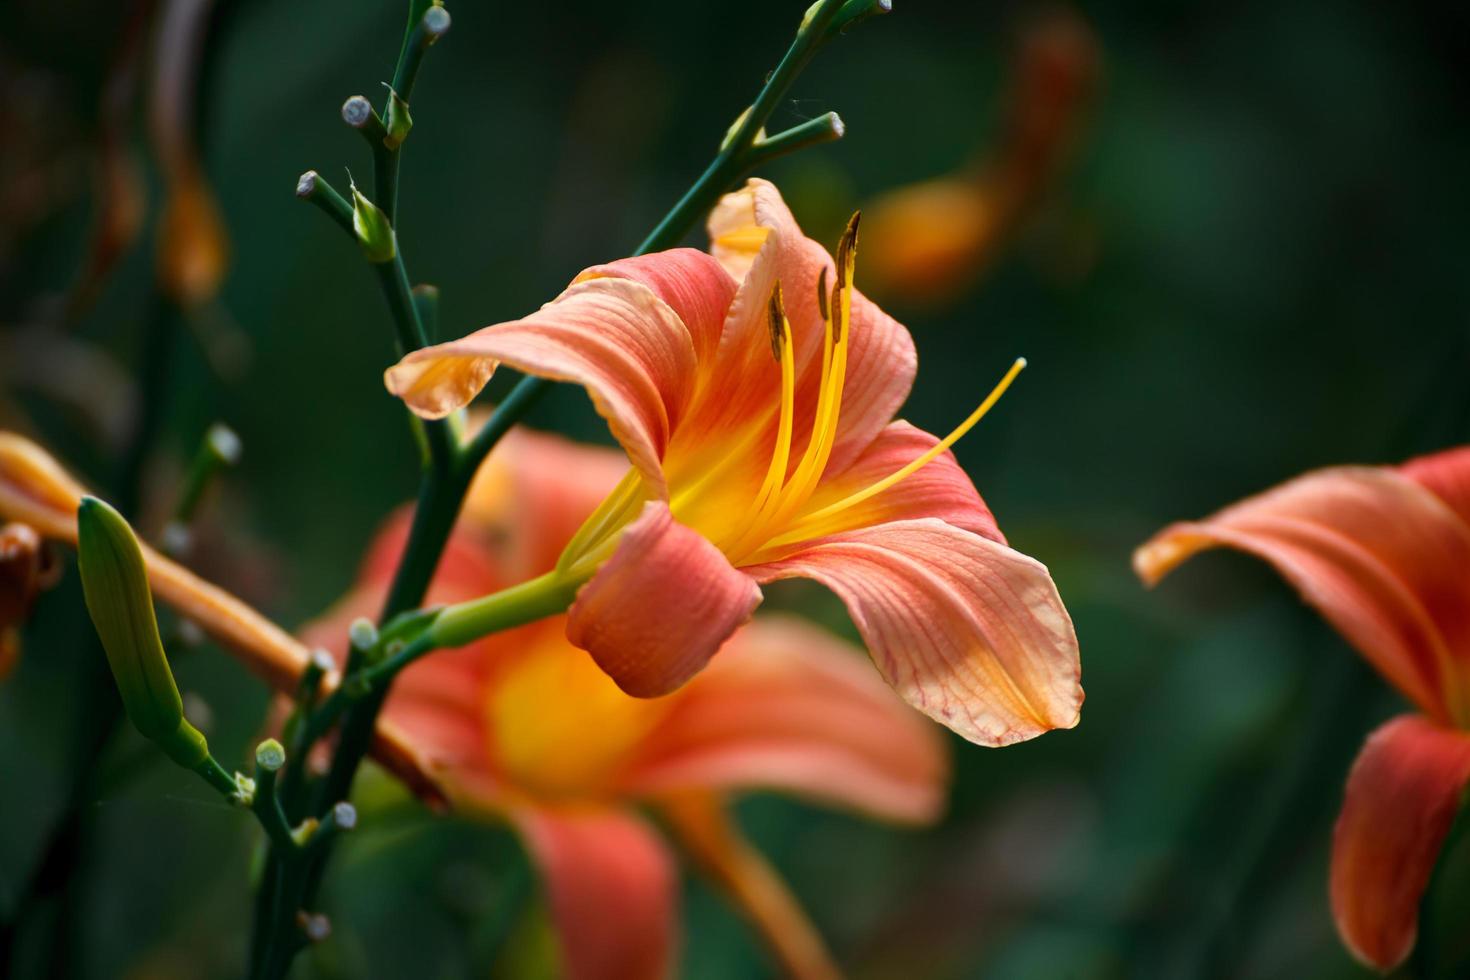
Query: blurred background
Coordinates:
[1230,239]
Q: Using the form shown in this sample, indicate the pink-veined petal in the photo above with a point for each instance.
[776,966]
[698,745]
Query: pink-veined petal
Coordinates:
[1378,555]
[967,630]
[939,489]
[611,887]
[789,706]
[612,336]
[656,611]
[1447,475]
[695,286]
[1402,797]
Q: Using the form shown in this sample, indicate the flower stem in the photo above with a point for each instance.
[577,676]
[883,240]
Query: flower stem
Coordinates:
[445,481]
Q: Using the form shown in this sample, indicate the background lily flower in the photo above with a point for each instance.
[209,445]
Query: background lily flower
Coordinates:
[1383,553]
[524,726]
[754,391]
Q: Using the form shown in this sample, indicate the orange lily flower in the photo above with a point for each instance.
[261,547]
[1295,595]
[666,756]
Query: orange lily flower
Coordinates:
[524,727]
[1383,553]
[756,406]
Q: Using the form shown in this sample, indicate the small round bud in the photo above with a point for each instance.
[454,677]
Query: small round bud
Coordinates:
[314,926]
[322,661]
[224,443]
[344,814]
[270,755]
[356,111]
[436,23]
[362,634]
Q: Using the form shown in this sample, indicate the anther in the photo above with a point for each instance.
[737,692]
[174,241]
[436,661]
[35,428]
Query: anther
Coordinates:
[846,249]
[776,314]
[822,303]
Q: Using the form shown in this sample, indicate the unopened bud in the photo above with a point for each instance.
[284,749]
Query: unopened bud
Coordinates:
[270,755]
[344,814]
[374,232]
[362,634]
[398,122]
[115,584]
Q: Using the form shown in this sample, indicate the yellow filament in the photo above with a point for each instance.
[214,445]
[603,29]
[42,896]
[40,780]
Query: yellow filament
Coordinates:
[807,523]
[605,518]
[778,502]
[776,473]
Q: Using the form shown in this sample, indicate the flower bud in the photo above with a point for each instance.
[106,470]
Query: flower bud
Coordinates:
[115,584]
[398,121]
[373,231]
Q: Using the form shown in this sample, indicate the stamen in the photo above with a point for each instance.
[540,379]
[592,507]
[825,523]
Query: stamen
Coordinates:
[781,457]
[776,315]
[822,305]
[846,260]
[608,516]
[928,457]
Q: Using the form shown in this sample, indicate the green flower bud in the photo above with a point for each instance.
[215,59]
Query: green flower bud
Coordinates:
[115,583]
[398,121]
[373,231]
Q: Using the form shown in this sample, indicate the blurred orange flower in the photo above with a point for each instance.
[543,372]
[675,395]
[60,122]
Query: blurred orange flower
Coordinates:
[756,406]
[1384,554]
[934,238]
[525,727]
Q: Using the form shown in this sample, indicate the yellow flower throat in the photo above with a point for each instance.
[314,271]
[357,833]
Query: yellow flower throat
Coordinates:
[774,518]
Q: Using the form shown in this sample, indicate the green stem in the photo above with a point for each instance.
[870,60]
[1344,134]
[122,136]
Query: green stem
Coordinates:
[446,481]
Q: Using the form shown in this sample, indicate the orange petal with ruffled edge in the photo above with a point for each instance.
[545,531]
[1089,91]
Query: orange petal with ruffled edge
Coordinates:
[967,630]
[656,611]
[614,337]
[612,890]
[1446,475]
[1402,796]
[1379,556]
[789,706]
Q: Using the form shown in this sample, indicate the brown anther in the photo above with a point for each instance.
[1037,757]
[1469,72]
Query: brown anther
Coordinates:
[776,319]
[822,304]
[847,250]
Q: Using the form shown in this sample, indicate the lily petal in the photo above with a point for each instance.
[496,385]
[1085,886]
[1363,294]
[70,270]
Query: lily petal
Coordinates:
[612,336]
[967,630]
[656,611]
[1379,556]
[611,886]
[789,706]
[939,489]
[1402,797]
[695,286]
[754,235]
[1446,475]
